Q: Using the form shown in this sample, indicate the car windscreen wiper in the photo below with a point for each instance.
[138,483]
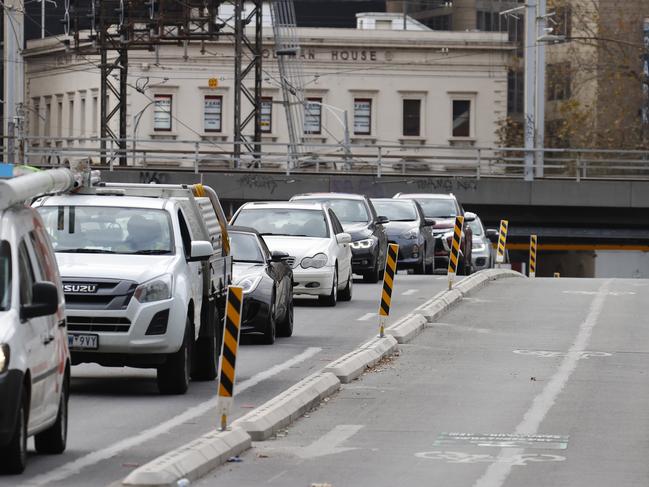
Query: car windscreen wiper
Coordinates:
[275,234]
[84,251]
[150,252]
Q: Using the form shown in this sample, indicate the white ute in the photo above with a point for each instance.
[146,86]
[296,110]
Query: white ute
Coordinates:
[145,270]
[34,358]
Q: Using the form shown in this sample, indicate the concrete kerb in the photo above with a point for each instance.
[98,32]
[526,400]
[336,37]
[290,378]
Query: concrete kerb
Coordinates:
[352,365]
[285,408]
[192,460]
[407,327]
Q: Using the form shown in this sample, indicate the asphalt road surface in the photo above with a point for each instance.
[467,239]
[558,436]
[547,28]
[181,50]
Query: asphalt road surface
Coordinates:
[118,420]
[528,383]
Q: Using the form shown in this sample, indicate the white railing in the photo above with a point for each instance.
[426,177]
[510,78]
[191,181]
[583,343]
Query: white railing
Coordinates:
[373,159]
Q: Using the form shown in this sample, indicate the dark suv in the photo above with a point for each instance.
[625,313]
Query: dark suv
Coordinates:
[443,208]
[360,220]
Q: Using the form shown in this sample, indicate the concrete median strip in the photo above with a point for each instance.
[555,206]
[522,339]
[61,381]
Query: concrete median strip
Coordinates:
[352,365]
[192,460]
[213,449]
[285,408]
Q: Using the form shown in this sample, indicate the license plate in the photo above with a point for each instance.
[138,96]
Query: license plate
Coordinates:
[83,341]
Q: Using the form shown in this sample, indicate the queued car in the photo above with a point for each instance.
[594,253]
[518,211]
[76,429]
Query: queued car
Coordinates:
[267,282]
[412,231]
[318,247]
[360,219]
[443,208]
[482,250]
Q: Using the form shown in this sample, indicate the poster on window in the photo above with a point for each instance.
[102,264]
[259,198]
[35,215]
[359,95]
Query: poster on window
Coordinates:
[213,110]
[162,115]
[266,118]
[362,116]
[645,77]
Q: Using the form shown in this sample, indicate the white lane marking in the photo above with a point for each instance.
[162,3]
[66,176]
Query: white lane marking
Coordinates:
[367,316]
[409,292]
[329,443]
[497,473]
[74,467]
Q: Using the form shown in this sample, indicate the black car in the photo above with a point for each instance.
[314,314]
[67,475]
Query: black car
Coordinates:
[412,231]
[360,219]
[267,282]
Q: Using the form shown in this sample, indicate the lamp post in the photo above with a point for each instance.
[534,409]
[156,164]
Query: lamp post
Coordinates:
[136,123]
[343,121]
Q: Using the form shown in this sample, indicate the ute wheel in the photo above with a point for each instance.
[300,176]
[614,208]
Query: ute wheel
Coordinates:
[54,439]
[285,328]
[208,348]
[173,375]
[271,328]
[332,298]
[14,455]
[346,294]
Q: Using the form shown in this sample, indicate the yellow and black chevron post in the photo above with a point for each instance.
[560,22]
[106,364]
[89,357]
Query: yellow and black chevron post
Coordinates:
[502,242]
[229,349]
[388,285]
[454,255]
[533,256]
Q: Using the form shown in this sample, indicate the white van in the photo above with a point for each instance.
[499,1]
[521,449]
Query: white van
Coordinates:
[34,357]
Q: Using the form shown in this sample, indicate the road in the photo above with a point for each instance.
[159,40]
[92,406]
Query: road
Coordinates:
[527,383]
[118,420]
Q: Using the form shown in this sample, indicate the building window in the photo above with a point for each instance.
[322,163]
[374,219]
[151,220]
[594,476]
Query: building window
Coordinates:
[48,119]
[515,91]
[82,118]
[440,22]
[362,116]
[95,114]
[412,118]
[561,21]
[213,113]
[70,118]
[313,116]
[162,113]
[266,118]
[36,119]
[559,81]
[461,118]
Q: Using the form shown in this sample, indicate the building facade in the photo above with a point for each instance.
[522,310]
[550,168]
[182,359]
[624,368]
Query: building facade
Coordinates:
[393,87]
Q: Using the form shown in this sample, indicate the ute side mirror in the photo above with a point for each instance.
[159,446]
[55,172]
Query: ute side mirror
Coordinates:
[430,222]
[45,301]
[344,238]
[278,256]
[382,220]
[201,250]
[492,235]
[469,216]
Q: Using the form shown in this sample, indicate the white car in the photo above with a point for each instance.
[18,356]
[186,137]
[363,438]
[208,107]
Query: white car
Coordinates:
[319,249]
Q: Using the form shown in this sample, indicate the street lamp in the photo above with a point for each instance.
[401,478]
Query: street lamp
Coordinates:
[136,123]
[336,112]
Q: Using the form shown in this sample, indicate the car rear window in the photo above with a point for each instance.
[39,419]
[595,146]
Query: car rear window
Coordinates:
[396,211]
[284,221]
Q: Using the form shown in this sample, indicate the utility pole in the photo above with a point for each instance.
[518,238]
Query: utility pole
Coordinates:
[540,88]
[13,72]
[530,88]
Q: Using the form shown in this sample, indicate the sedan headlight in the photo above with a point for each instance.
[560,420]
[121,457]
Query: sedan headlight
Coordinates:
[5,354]
[362,244]
[478,246]
[317,261]
[157,289]
[411,234]
[249,283]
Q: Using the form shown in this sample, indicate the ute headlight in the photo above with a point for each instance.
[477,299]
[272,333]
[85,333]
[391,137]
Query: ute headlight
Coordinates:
[362,244]
[5,354]
[157,289]
[317,261]
[249,283]
[411,234]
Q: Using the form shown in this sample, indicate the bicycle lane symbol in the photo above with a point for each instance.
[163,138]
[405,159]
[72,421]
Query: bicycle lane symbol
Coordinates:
[470,458]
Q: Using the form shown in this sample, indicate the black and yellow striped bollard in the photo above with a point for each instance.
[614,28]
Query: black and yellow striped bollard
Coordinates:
[454,255]
[502,242]
[229,350]
[388,285]
[533,247]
